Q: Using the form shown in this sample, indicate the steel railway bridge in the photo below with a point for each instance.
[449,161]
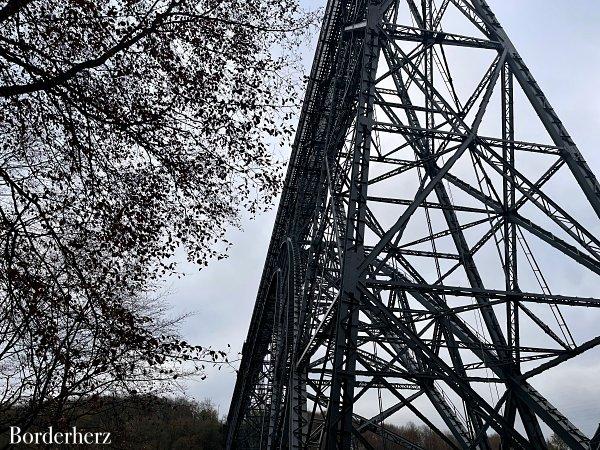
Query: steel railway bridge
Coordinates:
[435,255]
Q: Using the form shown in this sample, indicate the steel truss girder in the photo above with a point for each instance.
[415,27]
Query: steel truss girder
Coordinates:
[581,171]
[337,282]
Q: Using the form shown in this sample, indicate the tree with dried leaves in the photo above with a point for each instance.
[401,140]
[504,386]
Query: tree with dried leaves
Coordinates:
[128,129]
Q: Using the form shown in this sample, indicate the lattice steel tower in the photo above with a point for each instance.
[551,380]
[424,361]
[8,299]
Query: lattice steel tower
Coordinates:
[426,262]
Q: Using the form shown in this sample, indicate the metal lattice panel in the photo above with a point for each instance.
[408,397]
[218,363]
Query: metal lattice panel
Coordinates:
[409,263]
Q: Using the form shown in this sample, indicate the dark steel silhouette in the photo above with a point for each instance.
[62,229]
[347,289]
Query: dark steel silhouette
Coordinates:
[408,267]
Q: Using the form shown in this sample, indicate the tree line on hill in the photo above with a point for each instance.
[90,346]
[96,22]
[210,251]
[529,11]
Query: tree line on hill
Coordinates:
[143,423]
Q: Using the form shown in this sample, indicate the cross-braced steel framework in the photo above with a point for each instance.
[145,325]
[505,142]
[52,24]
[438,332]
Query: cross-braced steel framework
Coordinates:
[424,260]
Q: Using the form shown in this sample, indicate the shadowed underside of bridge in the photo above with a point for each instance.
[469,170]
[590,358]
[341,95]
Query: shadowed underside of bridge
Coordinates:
[435,253]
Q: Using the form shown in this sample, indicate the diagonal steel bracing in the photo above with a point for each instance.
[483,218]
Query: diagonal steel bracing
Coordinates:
[406,271]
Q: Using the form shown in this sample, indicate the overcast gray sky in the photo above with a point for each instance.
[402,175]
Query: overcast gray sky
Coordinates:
[560,42]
